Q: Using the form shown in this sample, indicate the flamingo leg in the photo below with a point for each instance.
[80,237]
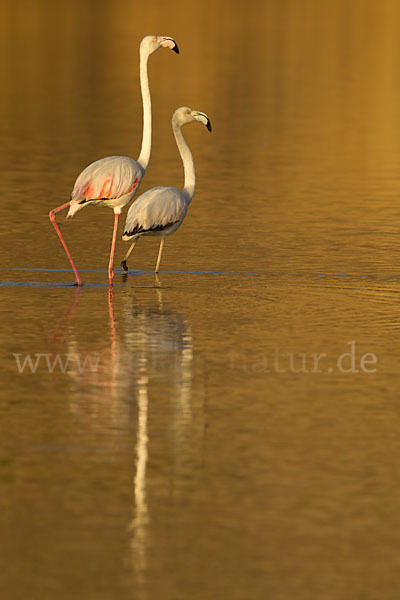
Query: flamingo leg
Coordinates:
[52,216]
[114,239]
[123,262]
[159,254]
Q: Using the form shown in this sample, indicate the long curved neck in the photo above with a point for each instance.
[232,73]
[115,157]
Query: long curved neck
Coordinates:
[187,159]
[144,156]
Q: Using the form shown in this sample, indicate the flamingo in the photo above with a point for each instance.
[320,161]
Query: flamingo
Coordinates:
[113,181]
[161,210]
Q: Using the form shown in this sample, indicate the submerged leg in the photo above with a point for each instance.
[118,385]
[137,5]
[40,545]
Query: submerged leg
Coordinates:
[114,239]
[123,262]
[52,215]
[159,254]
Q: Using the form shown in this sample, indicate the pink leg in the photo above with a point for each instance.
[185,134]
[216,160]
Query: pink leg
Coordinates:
[114,239]
[52,215]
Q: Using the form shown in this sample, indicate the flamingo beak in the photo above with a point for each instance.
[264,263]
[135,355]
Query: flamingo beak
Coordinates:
[167,42]
[202,117]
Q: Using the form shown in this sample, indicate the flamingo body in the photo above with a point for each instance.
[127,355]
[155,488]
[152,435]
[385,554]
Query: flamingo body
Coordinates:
[112,181]
[159,211]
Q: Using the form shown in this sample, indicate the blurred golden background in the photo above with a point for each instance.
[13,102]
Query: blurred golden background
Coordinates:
[182,467]
[304,98]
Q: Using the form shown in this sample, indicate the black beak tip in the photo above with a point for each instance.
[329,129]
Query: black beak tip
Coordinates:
[209,126]
[175,48]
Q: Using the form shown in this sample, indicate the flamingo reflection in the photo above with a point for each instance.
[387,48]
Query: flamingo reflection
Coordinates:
[149,353]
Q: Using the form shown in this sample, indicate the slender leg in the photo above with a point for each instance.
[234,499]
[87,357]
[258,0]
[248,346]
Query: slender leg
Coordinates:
[114,239]
[52,215]
[159,254]
[123,262]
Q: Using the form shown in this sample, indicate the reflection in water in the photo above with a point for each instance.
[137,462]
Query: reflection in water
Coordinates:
[141,519]
[113,339]
[153,347]
[298,489]
[161,342]
[57,337]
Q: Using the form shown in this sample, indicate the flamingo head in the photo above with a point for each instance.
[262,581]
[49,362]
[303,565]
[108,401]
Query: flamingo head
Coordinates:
[151,43]
[184,115]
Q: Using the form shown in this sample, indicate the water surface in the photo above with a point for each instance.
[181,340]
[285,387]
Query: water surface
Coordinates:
[229,429]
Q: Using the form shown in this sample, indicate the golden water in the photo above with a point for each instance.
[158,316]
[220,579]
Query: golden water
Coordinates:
[206,454]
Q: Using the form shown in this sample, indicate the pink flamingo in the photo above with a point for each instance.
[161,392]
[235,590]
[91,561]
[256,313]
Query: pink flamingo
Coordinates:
[113,181]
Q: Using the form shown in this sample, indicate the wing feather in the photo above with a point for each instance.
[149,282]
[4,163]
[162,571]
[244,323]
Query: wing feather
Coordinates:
[155,210]
[107,178]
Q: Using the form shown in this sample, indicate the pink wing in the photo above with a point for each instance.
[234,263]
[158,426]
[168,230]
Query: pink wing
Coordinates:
[108,178]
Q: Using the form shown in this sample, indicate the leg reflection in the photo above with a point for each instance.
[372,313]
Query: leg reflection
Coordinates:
[140,521]
[159,341]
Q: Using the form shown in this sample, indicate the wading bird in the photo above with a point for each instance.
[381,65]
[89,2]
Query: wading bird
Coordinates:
[113,181]
[161,210]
